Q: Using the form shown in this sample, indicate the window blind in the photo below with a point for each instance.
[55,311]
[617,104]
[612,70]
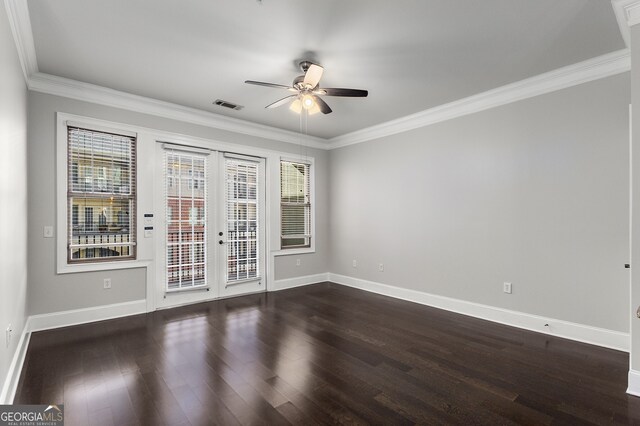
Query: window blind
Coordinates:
[187,226]
[101,196]
[295,204]
[241,195]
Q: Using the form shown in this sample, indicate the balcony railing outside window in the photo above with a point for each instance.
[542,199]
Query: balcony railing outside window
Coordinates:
[101,196]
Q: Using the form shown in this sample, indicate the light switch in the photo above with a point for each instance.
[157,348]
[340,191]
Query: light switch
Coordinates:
[48,232]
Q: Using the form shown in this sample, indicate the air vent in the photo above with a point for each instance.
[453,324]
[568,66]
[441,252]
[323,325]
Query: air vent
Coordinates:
[226,104]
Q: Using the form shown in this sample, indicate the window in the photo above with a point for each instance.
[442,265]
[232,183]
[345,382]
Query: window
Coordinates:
[295,204]
[101,196]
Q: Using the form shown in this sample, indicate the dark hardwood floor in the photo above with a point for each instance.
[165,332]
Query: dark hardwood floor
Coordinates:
[322,354]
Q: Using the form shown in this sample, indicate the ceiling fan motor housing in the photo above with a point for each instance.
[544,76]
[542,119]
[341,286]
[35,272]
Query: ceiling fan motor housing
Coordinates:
[298,83]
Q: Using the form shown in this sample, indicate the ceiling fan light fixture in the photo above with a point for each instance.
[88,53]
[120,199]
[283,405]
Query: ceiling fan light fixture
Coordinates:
[296,106]
[308,102]
[314,109]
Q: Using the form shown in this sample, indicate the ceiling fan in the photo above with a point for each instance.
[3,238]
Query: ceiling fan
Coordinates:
[307,91]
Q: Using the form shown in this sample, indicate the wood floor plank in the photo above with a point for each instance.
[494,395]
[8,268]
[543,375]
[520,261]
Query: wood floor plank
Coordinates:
[320,355]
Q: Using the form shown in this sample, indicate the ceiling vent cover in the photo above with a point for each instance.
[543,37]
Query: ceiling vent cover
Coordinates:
[227,104]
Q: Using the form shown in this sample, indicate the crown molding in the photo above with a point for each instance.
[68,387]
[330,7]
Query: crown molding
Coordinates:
[572,75]
[627,14]
[20,23]
[633,13]
[59,86]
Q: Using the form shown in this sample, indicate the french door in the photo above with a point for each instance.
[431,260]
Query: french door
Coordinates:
[210,241]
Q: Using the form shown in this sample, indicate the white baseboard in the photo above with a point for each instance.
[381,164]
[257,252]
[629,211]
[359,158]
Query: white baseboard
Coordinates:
[15,369]
[634,383]
[568,330]
[56,320]
[86,315]
[299,281]
[582,333]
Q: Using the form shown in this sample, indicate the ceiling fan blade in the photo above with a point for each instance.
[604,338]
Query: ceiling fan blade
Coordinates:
[349,93]
[313,75]
[324,108]
[282,101]
[276,86]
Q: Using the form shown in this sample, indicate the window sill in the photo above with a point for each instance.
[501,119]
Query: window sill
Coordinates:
[101,266]
[291,252]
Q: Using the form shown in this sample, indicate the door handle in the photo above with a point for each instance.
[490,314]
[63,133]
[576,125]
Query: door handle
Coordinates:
[220,242]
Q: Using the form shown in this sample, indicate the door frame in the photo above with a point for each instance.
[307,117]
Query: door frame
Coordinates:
[155,271]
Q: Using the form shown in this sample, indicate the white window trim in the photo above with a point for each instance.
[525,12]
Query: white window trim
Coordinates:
[62,226]
[312,186]
[147,138]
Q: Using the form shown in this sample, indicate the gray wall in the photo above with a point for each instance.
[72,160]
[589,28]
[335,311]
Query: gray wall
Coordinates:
[534,193]
[49,292]
[13,194]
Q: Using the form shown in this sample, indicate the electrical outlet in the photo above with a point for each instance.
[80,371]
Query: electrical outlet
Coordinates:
[9,335]
[107,283]
[297,262]
[354,263]
[381,267]
[506,287]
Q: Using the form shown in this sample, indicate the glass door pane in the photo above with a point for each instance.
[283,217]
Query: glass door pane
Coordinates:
[186,229]
[242,221]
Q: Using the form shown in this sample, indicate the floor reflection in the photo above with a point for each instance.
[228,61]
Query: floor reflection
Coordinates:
[320,354]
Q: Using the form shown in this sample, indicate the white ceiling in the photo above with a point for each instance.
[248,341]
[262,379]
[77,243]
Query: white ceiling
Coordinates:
[410,54]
